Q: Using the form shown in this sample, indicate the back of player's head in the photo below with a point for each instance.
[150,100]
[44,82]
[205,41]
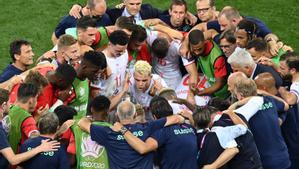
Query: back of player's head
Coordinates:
[122,21]
[48,123]
[138,34]
[65,41]
[66,73]
[160,47]
[99,104]
[168,94]
[26,91]
[195,37]
[219,103]
[202,116]
[257,44]
[119,37]
[160,107]
[65,113]
[15,48]
[85,22]
[126,110]
[36,78]
[95,58]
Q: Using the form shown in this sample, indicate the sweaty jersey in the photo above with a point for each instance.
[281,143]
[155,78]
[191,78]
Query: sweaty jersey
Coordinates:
[115,82]
[183,88]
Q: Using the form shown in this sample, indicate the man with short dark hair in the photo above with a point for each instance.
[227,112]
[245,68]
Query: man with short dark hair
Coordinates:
[48,125]
[290,127]
[227,42]
[259,48]
[176,17]
[22,57]
[207,56]
[93,8]
[117,59]
[92,65]
[56,89]
[137,46]
[166,59]
[22,123]
[116,85]
[245,31]
[88,151]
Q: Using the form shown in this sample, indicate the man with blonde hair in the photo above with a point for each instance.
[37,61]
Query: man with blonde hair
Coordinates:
[144,84]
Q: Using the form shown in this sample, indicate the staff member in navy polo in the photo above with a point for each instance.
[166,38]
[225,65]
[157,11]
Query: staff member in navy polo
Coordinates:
[176,144]
[264,124]
[120,153]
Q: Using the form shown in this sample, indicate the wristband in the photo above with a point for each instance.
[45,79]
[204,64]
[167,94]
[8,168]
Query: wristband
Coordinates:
[123,130]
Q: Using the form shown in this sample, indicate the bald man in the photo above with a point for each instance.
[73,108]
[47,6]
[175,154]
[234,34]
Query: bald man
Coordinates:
[231,81]
[266,82]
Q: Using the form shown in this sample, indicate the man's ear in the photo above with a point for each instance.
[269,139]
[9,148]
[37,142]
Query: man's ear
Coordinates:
[17,56]
[234,21]
[292,70]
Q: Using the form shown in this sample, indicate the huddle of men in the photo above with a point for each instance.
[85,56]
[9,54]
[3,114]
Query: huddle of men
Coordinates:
[137,87]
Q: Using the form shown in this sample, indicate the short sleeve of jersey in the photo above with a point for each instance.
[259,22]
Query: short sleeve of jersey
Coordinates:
[29,126]
[99,134]
[295,89]
[3,140]
[187,62]
[151,36]
[156,125]
[176,45]
[220,67]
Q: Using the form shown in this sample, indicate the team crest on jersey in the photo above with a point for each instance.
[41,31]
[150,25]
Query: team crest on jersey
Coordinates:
[90,148]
